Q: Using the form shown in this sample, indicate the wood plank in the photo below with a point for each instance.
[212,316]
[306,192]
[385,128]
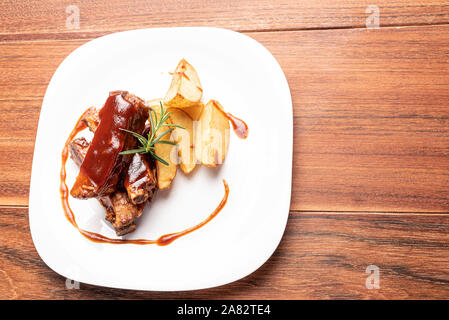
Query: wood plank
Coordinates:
[321,256]
[46,19]
[26,69]
[371,117]
[370,106]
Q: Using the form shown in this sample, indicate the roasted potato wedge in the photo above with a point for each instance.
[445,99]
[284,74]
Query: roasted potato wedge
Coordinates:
[185,88]
[165,174]
[212,138]
[184,138]
[195,111]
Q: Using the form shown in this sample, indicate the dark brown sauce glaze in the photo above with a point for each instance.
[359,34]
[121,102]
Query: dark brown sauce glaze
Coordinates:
[137,172]
[169,238]
[108,140]
[100,170]
[64,155]
[95,237]
[140,179]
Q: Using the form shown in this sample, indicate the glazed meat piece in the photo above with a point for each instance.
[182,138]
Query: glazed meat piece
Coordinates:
[78,149]
[101,169]
[140,177]
[120,211]
[140,180]
[91,119]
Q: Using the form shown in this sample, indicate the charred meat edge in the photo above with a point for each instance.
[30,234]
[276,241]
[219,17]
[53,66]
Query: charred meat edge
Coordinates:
[103,165]
[120,211]
[140,175]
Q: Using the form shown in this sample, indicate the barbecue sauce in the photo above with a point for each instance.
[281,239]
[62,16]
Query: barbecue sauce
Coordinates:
[240,127]
[140,180]
[137,174]
[100,170]
[95,237]
[108,140]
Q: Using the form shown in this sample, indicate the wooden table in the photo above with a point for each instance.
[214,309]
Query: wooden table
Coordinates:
[371,139]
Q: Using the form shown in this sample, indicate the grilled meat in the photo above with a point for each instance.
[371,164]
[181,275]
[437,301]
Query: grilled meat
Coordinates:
[120,211]
[91,119]
[140,176]
[101,169]
[78,149]
[140,179]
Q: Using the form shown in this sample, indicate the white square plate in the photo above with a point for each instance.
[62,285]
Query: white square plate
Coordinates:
[247,80]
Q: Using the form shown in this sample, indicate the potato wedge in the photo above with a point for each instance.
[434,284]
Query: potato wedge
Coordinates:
[184,138]
[194,111]
[212,138]
[165,174]
[185,88]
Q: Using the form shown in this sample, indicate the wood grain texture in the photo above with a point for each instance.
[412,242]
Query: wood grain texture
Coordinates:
[370,115]
[322,256]
[370,135]
[23,19]
[26,71]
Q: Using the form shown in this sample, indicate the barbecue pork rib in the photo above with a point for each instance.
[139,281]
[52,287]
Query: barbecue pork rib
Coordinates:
[120,211]
[102,167]
[91,119]
[140,175]
[140,179]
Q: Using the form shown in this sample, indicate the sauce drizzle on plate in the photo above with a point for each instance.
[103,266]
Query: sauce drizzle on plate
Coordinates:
[161,241]
[240,127]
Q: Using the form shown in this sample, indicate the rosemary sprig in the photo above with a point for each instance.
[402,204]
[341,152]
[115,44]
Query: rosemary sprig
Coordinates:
[147,144]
